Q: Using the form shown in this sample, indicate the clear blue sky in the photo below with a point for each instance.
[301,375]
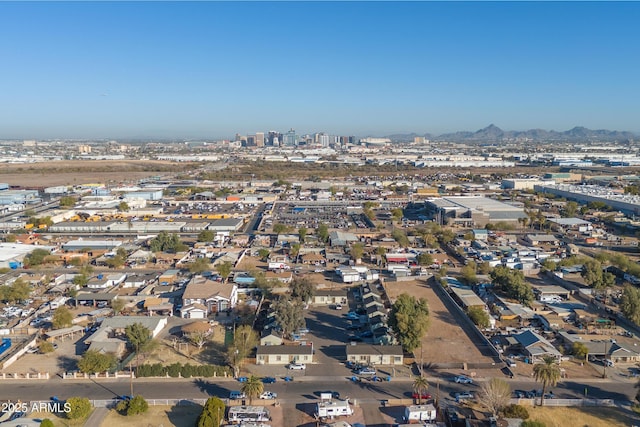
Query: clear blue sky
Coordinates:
[211,69]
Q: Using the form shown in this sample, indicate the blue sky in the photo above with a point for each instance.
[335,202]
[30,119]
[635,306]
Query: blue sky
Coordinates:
[211,69]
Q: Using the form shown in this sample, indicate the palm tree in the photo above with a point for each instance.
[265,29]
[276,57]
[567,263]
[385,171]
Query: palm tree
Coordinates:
[420,387]
[548,373]
[253,388]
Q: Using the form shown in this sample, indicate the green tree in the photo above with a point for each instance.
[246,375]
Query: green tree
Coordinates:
[264,254]
[479,317]
[138,336]
[212,414]
[302,289]
[400,236]
[630,304]
[199,266]
[80,280]
[224,269]
[294,251]
[117,305]
[79,408]
[495,395]
[397,214]
[512,284]
[67,202]
[10,238]
[579,350]
[356,251]
[206,236]
[468,273]
[289,314]
[280,228]
[134,406]
[123,206]
[302,233]
[420,387]
[548,373]
[45,347]
[93,361]
[570,210]
[252,388]
[36,257]
[19,290]
[62,318]
[166,242]
[46,423]
[425,259]
[409,318]
[323,232]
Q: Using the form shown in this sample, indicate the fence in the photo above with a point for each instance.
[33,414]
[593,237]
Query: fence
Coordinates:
[24,376]
[565,402]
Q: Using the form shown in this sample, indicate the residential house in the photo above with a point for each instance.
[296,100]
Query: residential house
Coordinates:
[375,354]
[194,311]
[271,337]
[329,296]
[215,296]
[283,354]
[535,347]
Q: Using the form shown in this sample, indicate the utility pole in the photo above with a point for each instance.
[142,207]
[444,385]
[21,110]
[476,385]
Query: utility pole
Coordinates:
[130,379]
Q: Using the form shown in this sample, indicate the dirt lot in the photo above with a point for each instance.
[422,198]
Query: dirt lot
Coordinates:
[179,416]
[592,417]
[445,341]
[70,172]
[183,353]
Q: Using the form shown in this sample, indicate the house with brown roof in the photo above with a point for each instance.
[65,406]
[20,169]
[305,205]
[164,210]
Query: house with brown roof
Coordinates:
[215,296]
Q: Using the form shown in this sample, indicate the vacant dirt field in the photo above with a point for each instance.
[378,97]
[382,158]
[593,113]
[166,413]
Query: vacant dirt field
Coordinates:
[179,416]
[445,342]
[75,172]
[592,417]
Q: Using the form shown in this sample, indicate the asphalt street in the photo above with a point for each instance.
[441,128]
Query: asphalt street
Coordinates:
[300,390]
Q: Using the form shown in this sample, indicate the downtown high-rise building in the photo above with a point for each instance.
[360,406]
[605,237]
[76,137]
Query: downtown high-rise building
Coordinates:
[290,138]
[259,139]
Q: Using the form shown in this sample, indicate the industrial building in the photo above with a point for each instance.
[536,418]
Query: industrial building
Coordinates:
[473,211]
[625,203]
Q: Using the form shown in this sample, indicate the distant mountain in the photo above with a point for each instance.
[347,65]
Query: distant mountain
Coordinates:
[493,133]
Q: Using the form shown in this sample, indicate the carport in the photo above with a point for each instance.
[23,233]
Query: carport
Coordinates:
[64,333]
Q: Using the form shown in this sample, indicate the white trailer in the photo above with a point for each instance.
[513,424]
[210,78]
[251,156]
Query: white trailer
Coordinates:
[420,413]
[278,266]
[334,408]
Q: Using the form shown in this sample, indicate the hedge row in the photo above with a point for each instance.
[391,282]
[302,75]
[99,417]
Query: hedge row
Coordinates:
[185,371]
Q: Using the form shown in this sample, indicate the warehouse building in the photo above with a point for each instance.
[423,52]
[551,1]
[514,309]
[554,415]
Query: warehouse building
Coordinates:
[473,211]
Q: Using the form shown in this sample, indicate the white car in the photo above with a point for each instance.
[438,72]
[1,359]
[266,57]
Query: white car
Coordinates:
[338,307]
[269,395]
[461,379]
[297,366]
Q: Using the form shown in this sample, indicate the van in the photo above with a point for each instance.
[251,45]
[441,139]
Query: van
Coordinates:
[237,395]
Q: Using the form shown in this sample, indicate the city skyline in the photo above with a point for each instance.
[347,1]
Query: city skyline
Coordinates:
[212,69]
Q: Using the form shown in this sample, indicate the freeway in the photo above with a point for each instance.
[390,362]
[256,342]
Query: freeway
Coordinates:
[300,390]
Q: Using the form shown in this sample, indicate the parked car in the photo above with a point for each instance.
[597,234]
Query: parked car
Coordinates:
[366,371]
[354,338]
[297,366]
[268,380]
[352,315]
[423,395]
[338,307]
[520,394]
[465,395]
[269,395]
[366,334]
[462,379]
[236,394]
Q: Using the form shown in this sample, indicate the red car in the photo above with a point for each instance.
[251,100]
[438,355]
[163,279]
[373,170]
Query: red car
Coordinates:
[424,396]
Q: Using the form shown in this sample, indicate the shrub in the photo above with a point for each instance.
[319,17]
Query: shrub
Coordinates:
[46,423]
[134,406]
[515,411]
[532,423]
[45,347]
[79,407]
[187,371]
[174,369]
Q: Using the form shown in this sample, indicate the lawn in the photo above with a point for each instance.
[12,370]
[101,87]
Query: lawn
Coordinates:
[582,417]
[59,420]
[178,416]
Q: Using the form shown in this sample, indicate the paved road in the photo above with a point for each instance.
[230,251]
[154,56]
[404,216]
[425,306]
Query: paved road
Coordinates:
[302,389]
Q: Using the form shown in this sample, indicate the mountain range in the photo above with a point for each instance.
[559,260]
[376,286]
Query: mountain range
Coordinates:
[493,133]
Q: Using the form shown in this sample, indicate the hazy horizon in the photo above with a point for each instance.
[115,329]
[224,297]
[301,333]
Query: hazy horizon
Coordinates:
[209,70]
